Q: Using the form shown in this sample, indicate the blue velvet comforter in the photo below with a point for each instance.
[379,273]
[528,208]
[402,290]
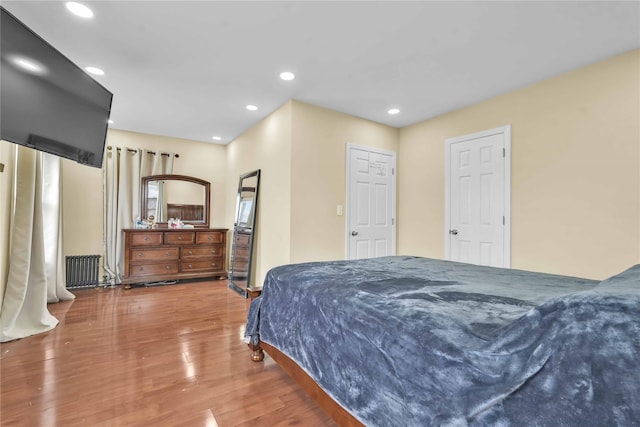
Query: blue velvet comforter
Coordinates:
[407,341]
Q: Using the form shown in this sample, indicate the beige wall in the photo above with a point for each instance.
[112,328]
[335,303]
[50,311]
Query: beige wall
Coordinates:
[300,149]
[82,209]
[82,186]
[575,176]
[318,183]
[575,171]
[266,146]
[82,202]
[197,159]
[183,193]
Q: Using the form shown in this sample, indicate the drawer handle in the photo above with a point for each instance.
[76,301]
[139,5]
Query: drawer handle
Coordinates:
[213,251]
[141,254]
[190,266]
[210,238]
[146,238]
[168,267]
[141,268]
[190,252]
[167,253]
[179,237]
[213,264]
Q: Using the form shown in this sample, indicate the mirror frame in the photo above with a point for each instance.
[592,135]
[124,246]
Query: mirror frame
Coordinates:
[245,228]
[207,196]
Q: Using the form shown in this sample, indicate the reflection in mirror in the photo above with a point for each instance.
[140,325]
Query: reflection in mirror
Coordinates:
[175,196]
[240,275]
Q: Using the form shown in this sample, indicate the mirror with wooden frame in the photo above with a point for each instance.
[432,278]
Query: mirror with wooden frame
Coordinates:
[175,196]
[241,277]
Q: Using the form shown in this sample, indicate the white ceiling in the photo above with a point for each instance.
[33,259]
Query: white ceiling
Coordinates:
[187,68]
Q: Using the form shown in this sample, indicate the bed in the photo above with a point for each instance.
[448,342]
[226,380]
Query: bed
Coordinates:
[418,342]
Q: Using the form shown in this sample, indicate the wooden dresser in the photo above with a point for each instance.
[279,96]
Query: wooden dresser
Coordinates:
[173,254]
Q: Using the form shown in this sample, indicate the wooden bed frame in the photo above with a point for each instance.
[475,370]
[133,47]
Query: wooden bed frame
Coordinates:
[330,406]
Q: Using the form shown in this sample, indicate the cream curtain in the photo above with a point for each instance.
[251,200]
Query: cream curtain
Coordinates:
[153,164]
[35,261]
[122,172]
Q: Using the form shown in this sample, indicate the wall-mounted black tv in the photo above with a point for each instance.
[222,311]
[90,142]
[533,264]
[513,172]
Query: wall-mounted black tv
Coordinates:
[46,101]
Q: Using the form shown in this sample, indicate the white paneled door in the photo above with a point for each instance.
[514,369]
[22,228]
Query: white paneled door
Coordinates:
[371,193]
[477,193]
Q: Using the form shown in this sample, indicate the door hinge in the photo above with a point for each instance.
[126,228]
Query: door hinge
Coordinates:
[504,152]
[503,220]
[393,171]
[393,221]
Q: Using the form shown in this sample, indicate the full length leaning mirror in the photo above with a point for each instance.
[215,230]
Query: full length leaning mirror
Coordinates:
[241,277]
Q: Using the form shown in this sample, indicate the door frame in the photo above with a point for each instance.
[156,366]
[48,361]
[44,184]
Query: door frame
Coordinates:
[347,210]
[506,132]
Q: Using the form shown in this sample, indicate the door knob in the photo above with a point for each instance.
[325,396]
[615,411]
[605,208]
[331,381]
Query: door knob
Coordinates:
[453,232]
[354,233]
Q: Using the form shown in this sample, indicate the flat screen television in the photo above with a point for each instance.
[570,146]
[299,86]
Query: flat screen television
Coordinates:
[46,101]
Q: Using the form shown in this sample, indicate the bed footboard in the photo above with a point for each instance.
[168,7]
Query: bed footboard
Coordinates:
[330,406]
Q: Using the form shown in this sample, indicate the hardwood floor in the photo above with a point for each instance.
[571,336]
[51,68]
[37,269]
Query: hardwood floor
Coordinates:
[161,356]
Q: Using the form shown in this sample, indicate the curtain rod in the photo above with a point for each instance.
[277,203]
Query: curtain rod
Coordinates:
[131,150]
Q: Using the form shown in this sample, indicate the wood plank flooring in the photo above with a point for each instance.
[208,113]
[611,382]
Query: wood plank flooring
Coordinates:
[160,356]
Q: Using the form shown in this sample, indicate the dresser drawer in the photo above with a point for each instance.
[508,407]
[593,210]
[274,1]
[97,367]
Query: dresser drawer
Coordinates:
[208,237]
[143,255]
[242,239]
[179,238]
[146,239]
[242,251]
[211,264]
[241,265]
[189,252]
[154,269]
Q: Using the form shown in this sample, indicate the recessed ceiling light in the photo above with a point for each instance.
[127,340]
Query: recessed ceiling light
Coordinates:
[79,9]
[216,138]
[94,70]
[393,111]
[251,107]
[28,64]
[287,75]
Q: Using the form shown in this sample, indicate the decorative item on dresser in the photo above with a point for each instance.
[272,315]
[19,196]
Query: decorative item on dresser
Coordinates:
[161,254]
